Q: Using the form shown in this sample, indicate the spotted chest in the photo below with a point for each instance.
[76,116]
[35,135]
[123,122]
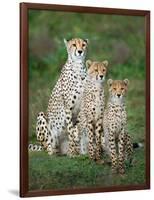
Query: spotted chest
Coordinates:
[68,91]
[92,105]
[115,120]
[92,109]
[73,90]
[116,117]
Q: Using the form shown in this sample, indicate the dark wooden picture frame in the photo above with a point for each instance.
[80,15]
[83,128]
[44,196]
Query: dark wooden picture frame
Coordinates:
[24,7]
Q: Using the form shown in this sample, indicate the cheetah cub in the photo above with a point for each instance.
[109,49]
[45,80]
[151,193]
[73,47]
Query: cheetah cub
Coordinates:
[90,118]
[116,140]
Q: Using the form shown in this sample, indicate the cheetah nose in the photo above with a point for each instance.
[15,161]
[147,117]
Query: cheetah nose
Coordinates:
[79,51]
[101,76]
[118,95]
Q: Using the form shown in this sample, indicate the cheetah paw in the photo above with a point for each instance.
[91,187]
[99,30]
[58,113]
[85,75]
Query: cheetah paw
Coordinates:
[121,171]
[100,162]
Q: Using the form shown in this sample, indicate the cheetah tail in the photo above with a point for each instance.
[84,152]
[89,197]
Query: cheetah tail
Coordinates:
[137,145]
[35,147]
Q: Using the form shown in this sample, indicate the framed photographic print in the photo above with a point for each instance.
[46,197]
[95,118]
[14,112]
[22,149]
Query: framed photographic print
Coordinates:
[84,99]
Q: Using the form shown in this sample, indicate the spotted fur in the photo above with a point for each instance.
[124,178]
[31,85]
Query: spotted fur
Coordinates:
[116,140]
[43,135]
[35,147]
[90,118]
[64,102]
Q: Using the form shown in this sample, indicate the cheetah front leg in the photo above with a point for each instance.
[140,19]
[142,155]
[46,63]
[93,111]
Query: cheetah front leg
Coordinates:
[70,130]
[121,152]
[112,147]
[129,148]
[76,139]
[91,149]
[99,133]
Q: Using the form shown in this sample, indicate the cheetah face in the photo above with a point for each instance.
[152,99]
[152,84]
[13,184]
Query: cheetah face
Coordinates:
[76,48]
[97,70]
[118,88]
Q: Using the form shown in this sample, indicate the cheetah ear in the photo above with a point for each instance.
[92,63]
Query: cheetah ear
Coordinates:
[105,63]
[65,42]
[109,82]
[126,82]
[86,40]
[88,63]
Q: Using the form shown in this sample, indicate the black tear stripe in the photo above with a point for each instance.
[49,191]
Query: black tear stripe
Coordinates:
[75,51]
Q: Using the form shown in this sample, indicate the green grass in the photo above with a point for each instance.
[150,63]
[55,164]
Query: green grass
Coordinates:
[118,39]
[58,172]
[61,172]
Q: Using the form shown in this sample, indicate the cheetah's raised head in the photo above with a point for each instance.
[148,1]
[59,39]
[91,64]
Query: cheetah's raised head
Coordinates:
[76,48]
[97,70]
[118,88]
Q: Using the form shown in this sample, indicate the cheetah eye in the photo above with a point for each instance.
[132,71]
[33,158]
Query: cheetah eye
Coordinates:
[103,70]
[114,88]
[74,45]
[96,70]
[122,88]
[83,45]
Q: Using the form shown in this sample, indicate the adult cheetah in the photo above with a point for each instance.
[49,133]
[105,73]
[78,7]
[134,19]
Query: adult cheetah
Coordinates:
[64,102]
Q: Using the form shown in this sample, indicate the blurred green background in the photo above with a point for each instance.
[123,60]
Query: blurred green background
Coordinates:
[118,39]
